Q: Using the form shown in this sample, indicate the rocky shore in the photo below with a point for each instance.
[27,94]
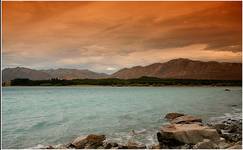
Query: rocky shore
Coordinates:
[182,132]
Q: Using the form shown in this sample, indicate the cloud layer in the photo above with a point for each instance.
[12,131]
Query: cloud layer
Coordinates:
[106,36]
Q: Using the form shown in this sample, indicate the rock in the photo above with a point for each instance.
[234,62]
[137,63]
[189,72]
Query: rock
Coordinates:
[39,146]
[173,115]
[186,119]
[122,147]
[91,141]
[135,145]
[206,144]
[218,127]
[230,129]
[186,146]
[186,134]
[70,146]
[227,90]
[154,146]
[109,145]
[100,147]
[49,147]
[166,142]
[60,146]
[79,142]
[232,137]
[237,145]
[234,128]
[231,132]
[222,144]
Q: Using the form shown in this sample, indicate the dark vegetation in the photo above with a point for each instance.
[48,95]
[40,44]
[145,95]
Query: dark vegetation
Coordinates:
[143,81]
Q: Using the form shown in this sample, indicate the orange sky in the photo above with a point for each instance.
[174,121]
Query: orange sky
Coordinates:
[107,36]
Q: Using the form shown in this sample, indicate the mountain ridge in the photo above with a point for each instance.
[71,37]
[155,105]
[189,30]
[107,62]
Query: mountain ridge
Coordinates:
[183,68]
[180,68]
[60,73]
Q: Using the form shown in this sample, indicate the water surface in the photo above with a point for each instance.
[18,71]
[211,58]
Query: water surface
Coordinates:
[53,115]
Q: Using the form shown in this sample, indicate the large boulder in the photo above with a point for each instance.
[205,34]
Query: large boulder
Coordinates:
[186,119]
[186,133]
[237,145]
[222,144]
[206,144]
[173,115]
[91,141]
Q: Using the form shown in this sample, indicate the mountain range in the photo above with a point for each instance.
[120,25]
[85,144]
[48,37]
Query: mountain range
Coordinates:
[177,69]
[61,73]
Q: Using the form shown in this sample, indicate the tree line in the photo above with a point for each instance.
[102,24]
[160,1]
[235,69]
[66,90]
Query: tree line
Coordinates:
[142,81]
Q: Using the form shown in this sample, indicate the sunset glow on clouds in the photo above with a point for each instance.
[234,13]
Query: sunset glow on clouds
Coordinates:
[107,36]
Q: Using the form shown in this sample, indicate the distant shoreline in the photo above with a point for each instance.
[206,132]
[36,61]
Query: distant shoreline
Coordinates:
[115,82]
[87,85]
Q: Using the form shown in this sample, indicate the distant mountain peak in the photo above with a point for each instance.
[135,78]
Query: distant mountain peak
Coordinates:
[183,68]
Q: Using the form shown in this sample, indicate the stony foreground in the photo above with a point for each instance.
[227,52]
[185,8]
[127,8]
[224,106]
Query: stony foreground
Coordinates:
[182,132]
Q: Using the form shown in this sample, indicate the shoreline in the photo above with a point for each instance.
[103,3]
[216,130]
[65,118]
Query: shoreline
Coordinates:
[87,85]
[142,81]
[223,132]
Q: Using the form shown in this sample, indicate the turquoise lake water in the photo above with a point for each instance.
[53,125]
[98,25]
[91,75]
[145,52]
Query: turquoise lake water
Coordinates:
[54,115]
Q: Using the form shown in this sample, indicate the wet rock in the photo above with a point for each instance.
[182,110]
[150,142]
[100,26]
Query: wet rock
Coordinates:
[237,145]
[222,144]
[186,134]
[39,146]
[206,144]
[234,128]
[232,137]
[49,147]
[132,145]
[109,145]
[91,141]
[167,142]
[135,145]
[60,146]
[70,146]
[100,147]
[122,147]
[230,129]
[186,146]
[219,127]
[183,146]
[186,119]
[154,146]
[173,115]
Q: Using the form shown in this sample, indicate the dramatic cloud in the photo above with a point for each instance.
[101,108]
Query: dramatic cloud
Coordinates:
[106,36]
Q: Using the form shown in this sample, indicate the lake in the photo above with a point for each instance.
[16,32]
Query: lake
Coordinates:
[54,115]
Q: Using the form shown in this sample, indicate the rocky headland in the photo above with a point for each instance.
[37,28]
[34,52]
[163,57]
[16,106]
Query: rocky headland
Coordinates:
[181,132]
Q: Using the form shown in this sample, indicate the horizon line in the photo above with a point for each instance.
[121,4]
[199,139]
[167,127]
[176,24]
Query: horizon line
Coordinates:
[3,68]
